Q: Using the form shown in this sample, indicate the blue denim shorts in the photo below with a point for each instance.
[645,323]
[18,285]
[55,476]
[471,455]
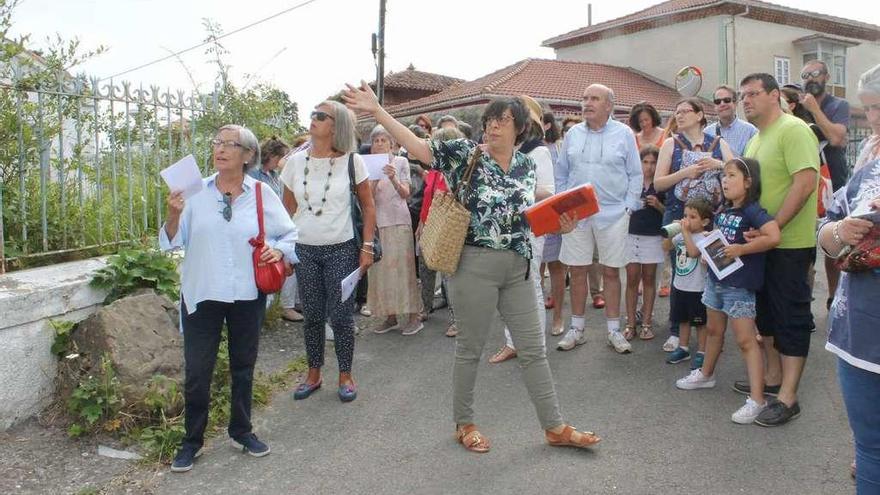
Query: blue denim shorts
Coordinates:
[735,302]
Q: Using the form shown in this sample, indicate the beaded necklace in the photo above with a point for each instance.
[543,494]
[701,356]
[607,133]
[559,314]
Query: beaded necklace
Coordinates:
[320,210]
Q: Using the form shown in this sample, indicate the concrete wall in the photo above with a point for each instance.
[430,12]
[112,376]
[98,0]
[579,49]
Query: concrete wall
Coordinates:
[858,60]
[756,51]
[28,299]
[751,47]
[659,52]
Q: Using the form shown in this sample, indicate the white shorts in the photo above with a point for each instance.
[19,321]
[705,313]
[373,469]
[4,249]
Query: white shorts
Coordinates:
[645,249]
[578,246]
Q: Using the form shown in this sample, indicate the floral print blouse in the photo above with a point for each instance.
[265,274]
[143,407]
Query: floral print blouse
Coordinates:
[495,199]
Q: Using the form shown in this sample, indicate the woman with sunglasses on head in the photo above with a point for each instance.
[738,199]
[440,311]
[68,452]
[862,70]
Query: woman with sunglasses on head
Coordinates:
[317,194]
[217,284]
[494,269]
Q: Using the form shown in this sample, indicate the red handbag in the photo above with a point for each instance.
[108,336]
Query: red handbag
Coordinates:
[268,276]
[864,256]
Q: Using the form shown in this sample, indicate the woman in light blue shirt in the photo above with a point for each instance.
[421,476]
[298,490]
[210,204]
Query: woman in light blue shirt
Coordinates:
[217,284]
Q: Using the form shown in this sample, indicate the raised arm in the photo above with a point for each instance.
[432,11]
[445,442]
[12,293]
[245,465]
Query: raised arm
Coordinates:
[362,99]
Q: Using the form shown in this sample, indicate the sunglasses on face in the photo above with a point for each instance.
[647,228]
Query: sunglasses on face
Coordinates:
[813,73]
[719,101]
[227,207]
[320,116]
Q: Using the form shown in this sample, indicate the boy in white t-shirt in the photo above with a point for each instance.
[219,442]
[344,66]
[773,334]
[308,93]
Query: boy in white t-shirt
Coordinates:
[690,279]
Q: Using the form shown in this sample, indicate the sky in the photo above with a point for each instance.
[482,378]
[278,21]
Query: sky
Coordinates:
[313,50]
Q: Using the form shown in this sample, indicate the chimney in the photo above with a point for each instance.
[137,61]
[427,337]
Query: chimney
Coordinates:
[589,14]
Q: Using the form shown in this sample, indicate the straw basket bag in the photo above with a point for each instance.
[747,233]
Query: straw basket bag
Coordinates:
[448,219]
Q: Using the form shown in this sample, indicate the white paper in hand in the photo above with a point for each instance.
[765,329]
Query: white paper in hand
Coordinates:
[375,163]
[183,176]
[349,284]
[712,248]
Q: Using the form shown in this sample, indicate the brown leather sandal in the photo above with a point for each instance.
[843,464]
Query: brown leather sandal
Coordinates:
[629,332]
[646,332]
[502,355]
[472,439]
[565,439]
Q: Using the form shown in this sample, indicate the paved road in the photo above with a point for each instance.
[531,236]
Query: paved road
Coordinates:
[398,436]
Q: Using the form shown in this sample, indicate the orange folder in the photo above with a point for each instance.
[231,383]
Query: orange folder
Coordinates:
[581,202]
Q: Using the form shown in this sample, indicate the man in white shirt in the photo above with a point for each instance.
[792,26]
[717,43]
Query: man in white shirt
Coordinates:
[603,152]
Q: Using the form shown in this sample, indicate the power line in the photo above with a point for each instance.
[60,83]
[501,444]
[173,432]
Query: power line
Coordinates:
[212,40]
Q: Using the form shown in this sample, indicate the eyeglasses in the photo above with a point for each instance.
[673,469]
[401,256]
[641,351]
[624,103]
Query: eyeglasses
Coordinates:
[321,116]
[218,143]
[813,73]
[751,94]
[227,207]
[503,119]
[684,111]
[719,101]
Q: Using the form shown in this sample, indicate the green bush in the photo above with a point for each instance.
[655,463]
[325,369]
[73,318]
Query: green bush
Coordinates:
[134,269]
[61,342]
[96,398]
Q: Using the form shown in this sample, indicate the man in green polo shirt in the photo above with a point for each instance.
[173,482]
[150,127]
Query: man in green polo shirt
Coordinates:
[786,149]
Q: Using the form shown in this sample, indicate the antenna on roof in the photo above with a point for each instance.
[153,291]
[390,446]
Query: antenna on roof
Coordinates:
[589,14]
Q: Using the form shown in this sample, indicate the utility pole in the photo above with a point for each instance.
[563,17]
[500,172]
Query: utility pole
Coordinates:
[380,76]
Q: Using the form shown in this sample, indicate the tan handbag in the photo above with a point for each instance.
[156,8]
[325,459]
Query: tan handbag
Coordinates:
[446,228]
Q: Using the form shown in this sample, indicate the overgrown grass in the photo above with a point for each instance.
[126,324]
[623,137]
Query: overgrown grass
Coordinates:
[156,424]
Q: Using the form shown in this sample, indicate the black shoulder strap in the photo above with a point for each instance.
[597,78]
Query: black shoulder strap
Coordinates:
[351,183]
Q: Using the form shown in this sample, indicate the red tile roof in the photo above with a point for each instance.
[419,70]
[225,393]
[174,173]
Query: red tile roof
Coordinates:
[415,79]
[553,82]
[673,10]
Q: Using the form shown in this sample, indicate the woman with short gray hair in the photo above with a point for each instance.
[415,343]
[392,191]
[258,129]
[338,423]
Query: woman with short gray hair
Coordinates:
[317,193]
[393,290]
[213,227]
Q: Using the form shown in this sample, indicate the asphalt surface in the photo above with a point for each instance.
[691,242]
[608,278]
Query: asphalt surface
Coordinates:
[397,437]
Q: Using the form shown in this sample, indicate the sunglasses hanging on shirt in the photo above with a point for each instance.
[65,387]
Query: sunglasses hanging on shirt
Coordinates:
[227,208]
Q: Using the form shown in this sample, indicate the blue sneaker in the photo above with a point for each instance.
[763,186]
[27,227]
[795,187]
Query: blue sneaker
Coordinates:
[250,444]
[184,459]
[697,362]
[678,355]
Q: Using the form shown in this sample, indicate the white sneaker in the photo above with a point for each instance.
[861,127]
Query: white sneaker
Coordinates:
[413,328]
[695,380]
[329,332]
[671,343]
[748,412]
[574,337]
[619,342]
